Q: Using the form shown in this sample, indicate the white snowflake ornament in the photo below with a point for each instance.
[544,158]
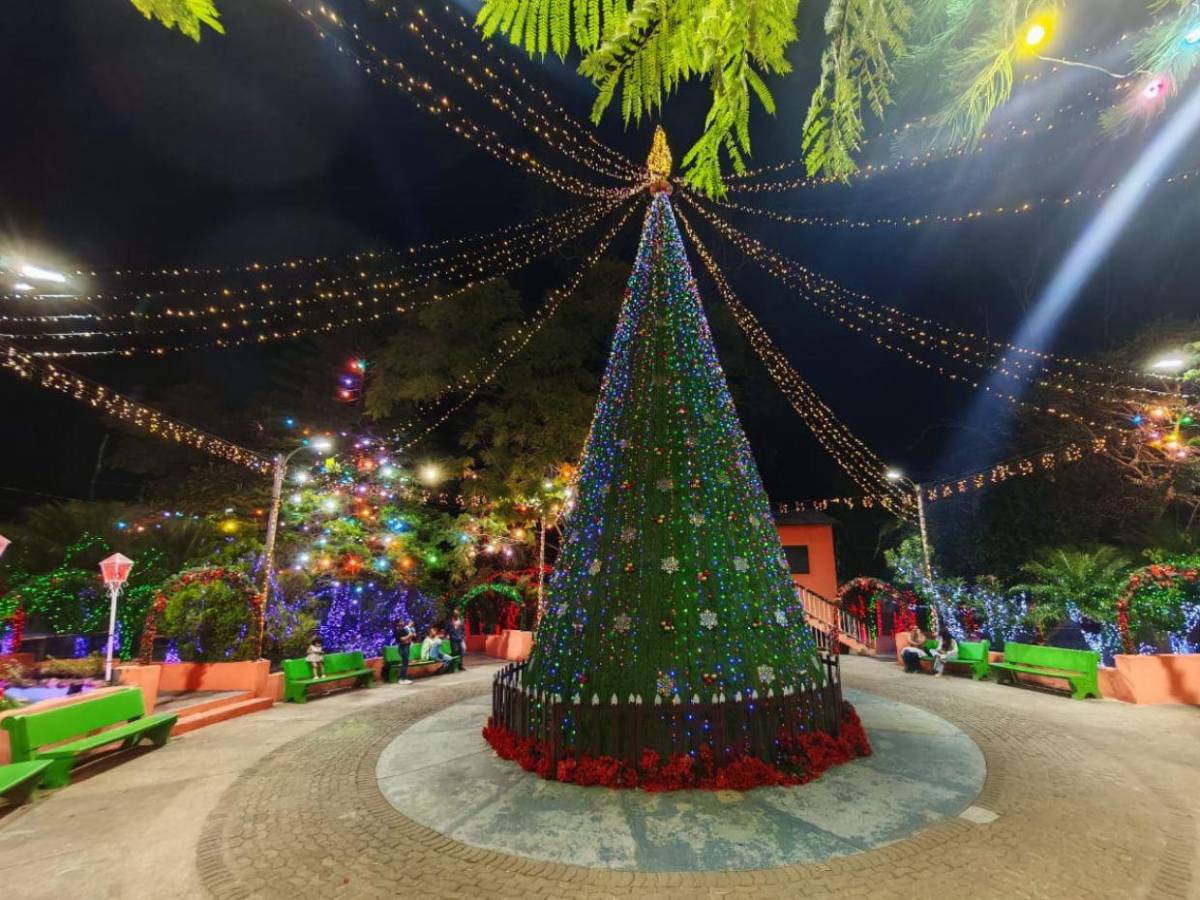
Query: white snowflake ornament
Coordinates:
[621,623]
[708,619]
[628,533]
[696,519]
[741,564]
[781,617]
[594,568]
[766,674]
[670,564]
[664,484]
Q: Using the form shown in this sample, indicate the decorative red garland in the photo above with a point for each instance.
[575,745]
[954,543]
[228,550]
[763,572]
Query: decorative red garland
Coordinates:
[802,758]
[1159,575]
[860,597]
[198,576]
[18,628]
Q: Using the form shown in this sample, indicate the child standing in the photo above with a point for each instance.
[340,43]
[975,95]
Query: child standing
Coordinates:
[316,658]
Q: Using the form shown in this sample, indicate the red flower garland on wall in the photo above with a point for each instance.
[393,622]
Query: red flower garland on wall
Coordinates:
[1163,576]
[18,628]
[862,597]
[232,577]
[802,758]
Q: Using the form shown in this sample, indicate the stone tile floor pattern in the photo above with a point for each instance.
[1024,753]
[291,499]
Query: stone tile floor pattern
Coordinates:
[923,770]
[1091,799]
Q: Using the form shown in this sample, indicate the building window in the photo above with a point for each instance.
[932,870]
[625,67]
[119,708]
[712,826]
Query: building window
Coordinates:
[797,558]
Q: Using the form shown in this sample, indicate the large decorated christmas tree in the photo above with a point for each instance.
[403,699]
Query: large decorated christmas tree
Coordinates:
[671,623]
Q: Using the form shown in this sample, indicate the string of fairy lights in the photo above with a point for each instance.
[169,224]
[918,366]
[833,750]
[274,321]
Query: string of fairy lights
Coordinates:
[472,382]
[846,448]
[861,313]
[541,97]
[787,277]
[563,136]
[1006,210]
[1041,462]
[511,248]
[354,309]
[438,105]
[129,412]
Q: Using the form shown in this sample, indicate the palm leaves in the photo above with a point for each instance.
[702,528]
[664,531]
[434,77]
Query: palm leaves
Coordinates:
[1088,579]
[186,15]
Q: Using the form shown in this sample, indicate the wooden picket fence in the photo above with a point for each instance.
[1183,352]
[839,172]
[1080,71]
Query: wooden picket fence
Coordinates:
[623,727]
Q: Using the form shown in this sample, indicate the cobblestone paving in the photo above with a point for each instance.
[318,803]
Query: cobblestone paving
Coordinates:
[1091,799]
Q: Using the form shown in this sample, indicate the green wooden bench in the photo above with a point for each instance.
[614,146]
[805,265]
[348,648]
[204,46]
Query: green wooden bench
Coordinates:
[1077,667]
[29,732]
[973,654]
[391,660]
[17,780]
[298,674]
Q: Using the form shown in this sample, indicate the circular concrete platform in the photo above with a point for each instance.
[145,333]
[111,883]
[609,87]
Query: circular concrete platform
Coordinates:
[442,774]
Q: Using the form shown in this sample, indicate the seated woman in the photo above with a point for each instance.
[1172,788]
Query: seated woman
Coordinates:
[431,648]
[945,651]
[914,651]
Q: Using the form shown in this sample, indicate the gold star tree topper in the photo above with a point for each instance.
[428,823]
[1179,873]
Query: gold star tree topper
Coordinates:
[659,161]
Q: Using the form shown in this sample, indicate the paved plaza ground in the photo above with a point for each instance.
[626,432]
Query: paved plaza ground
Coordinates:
[1080,799]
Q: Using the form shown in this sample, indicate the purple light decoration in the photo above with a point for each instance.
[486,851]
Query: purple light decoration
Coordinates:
[361,616]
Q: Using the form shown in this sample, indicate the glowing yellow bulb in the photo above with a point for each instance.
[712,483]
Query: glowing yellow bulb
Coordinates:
[1036,32]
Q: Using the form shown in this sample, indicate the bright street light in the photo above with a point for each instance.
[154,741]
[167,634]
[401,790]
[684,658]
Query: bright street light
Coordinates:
[430,474]
[1169,363]
[23,287]
[322,443]
[37,273]
[893,475]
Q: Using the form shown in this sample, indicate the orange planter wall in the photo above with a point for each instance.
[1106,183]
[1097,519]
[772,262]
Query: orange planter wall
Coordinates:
[226,676]
[144,677]
[1162,678]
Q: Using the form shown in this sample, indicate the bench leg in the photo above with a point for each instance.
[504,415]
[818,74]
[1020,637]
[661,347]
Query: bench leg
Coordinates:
[59,773]
[295,693]
[23,792]
[160,734]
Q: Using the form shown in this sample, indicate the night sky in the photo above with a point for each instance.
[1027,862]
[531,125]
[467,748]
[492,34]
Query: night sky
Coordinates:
[127,145]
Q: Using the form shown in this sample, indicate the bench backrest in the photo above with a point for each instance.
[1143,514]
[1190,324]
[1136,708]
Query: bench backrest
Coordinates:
[414,652]
[296,669]
[1051,657]
[31,730]
[973,651]
[344,662]
[391,654]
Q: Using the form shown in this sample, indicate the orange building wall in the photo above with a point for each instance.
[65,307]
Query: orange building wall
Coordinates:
[822,564]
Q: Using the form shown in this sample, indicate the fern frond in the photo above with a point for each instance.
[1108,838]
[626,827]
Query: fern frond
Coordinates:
[866,36]
[186,15]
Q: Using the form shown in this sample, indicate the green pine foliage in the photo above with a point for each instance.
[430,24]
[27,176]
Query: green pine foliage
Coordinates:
[865,38]
[671,583]
[189,16]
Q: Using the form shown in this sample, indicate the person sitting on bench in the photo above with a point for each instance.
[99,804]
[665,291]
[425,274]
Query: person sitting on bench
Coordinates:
[316,658]
[915,650]
[431,648]
[946,650]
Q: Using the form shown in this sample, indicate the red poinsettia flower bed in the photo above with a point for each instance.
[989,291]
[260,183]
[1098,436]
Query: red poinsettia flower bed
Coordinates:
[801,758]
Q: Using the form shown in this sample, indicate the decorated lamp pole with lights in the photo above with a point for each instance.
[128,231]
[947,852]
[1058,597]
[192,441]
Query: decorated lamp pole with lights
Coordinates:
[895,475]
[319,444]
[114,570]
